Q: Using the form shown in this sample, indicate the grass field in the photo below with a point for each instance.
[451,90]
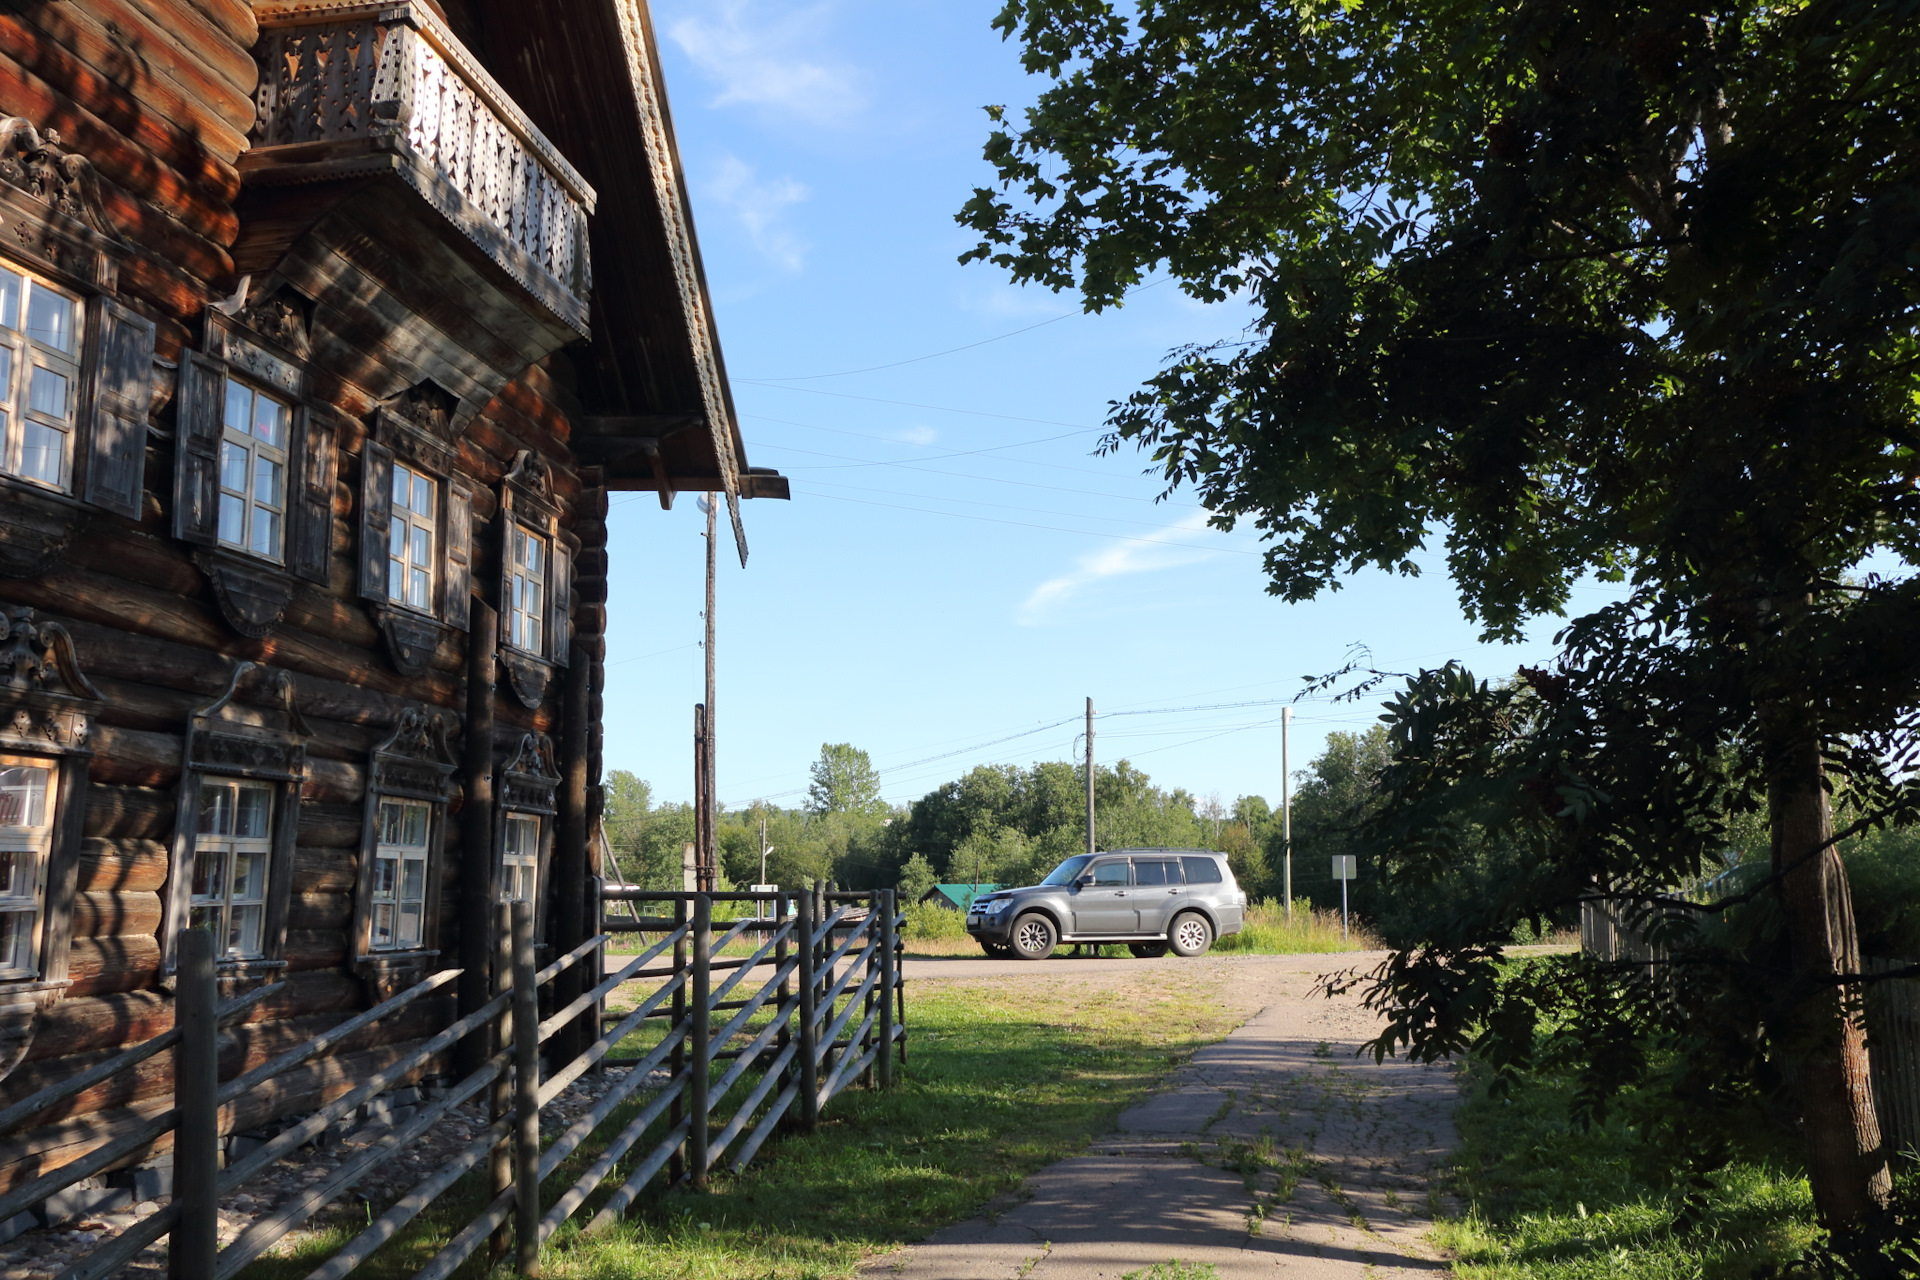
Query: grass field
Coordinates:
[1547,1202]
[1003,1079]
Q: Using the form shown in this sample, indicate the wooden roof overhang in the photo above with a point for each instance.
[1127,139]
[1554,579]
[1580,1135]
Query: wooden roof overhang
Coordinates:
[660,414]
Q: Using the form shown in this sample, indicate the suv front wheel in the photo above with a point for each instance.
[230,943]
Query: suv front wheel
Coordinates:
[1033,937]
[1190,935]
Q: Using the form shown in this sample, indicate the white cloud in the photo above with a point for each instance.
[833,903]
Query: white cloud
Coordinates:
[916,435]
[758,205]
[1118,559]
[762,54]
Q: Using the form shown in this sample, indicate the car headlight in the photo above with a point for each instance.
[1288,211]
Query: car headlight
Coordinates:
[995,908]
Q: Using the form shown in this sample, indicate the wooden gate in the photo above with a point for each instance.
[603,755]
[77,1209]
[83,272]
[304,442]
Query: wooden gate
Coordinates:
[808,999]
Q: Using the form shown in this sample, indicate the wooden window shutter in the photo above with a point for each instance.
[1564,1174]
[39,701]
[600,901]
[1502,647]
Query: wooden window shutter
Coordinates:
[376,517]
[506,523]
[196,443]
[457,577]
[559,601]
[119,383]
[310,504]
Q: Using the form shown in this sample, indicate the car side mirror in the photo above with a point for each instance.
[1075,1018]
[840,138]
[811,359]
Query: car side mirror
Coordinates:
[1083,882]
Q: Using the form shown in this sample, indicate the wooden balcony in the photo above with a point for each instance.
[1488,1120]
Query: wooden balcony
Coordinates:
[354,91]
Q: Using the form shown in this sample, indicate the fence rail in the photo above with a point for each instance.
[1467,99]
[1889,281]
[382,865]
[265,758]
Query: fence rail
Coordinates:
[817,1004]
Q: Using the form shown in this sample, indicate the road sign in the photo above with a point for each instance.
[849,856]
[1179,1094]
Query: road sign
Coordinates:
[763,888]
[1343,867]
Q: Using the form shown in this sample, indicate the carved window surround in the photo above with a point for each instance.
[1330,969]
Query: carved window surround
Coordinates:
[528,783]
[527,499]
[415,763]
[261,740]
[51,222]
[46,705]
[420,427]
[261,345]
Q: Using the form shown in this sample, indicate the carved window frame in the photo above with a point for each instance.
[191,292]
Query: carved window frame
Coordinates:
[46,706]
[528,785]
[52,227]
[253,590]
[528,503]
[417,429]
[413,764]
[263,742]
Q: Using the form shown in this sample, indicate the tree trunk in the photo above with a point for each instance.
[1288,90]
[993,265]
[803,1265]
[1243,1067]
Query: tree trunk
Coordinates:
[1846,1162]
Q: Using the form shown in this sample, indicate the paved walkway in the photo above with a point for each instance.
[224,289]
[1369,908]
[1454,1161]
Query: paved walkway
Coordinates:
[1274,1154]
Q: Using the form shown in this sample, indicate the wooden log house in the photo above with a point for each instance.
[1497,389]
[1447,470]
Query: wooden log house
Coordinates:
[325,332]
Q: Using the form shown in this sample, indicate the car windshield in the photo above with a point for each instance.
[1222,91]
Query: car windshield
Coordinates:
[1068,871]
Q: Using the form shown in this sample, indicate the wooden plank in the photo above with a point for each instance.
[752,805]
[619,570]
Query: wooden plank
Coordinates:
[129,811]
[100,965]
[101,913]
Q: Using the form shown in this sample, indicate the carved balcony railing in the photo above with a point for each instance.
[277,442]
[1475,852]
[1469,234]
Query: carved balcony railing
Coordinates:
[393,78]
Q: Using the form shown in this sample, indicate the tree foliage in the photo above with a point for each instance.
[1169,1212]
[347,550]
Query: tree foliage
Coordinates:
[1620,290]
[844,781]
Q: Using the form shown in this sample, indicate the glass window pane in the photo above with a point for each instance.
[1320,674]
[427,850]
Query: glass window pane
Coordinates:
[233,467]
[6,371]
[239,406]
[50,318]
[392,817]
[270,420]
[419,589]
[416,828]
[423,495]
[244,938]
[385,876]
[383,925]
[1201,870]
[413,884]
[410,931]
[49,392]
[10,285]
[422,546]
[1149,873]
[209,873]
[43,452]
[266,533]
[216,809]
[266,481]
[233,518]
[16,939]
[212,919]
[400,487]
[1110,873]
[256,806]
[23,796]
[249,877]
[15,867]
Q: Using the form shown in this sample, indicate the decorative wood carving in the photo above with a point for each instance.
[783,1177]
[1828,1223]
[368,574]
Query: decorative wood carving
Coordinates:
[50,207]
[282,317]
[44,695]
[422,424]
[415,760]
[527,676]
[529,778]
[35,162]
[35,529]
[223,739]
[411,637]
[253,597]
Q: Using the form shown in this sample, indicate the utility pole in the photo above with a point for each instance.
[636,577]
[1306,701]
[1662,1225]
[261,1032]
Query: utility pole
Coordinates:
[1286,811]
[1089,775]
[710,846]
[763,848]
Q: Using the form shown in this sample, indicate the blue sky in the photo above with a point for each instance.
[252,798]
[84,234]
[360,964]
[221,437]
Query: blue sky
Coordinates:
[956,566]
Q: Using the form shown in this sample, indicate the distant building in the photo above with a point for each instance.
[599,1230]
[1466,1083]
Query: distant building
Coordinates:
[957,897]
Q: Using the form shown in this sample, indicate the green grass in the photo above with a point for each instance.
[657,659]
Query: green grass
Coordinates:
[1268,932]
[1003,1079]
[1548,1202]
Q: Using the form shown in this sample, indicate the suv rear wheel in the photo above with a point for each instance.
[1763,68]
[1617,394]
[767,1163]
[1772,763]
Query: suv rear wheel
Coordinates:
[1190,935]
[1147,950]
[1033,937]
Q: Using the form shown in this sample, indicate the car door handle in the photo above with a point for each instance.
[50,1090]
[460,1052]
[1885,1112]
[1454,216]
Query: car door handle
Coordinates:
[1120,893]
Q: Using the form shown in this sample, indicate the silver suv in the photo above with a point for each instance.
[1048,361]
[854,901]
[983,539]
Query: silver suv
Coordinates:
[1153,900]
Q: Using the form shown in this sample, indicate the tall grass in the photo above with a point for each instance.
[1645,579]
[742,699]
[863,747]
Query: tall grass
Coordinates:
[1268,932]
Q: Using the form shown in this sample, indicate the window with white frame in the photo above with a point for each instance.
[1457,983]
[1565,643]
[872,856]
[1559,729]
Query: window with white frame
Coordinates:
[253,471]
[527,566]
[520,865]
[410,539]
[400,876]
[39,378]
[230,855]
[27,793]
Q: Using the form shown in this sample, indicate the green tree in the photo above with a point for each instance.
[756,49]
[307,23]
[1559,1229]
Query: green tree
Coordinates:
[916,878]
[1624,290]
[844,781]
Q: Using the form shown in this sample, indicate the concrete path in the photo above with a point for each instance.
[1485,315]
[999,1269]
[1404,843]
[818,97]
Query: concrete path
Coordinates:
[1274,1154]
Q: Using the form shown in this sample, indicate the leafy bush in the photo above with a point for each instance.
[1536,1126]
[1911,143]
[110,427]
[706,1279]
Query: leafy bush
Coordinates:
[930,920]
[1267,931]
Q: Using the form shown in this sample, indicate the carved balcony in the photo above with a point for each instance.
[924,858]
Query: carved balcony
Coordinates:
[386,90]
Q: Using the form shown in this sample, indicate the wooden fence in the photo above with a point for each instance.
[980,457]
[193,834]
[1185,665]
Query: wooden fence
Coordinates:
[816,1004]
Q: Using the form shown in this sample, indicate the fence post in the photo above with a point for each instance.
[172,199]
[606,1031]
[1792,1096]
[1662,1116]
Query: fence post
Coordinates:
[780,951]
[594,1020]
[526,1095]
[884,1059]
[500,1095]
[871,928]
[677,1061]
[194,1244]
[809,1029]
[698,1072]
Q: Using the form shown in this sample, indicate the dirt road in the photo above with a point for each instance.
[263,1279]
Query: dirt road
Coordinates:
[1275,1153]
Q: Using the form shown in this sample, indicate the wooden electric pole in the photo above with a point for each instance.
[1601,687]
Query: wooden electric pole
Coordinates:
[1286,810]
[710,843]
[1089,775]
